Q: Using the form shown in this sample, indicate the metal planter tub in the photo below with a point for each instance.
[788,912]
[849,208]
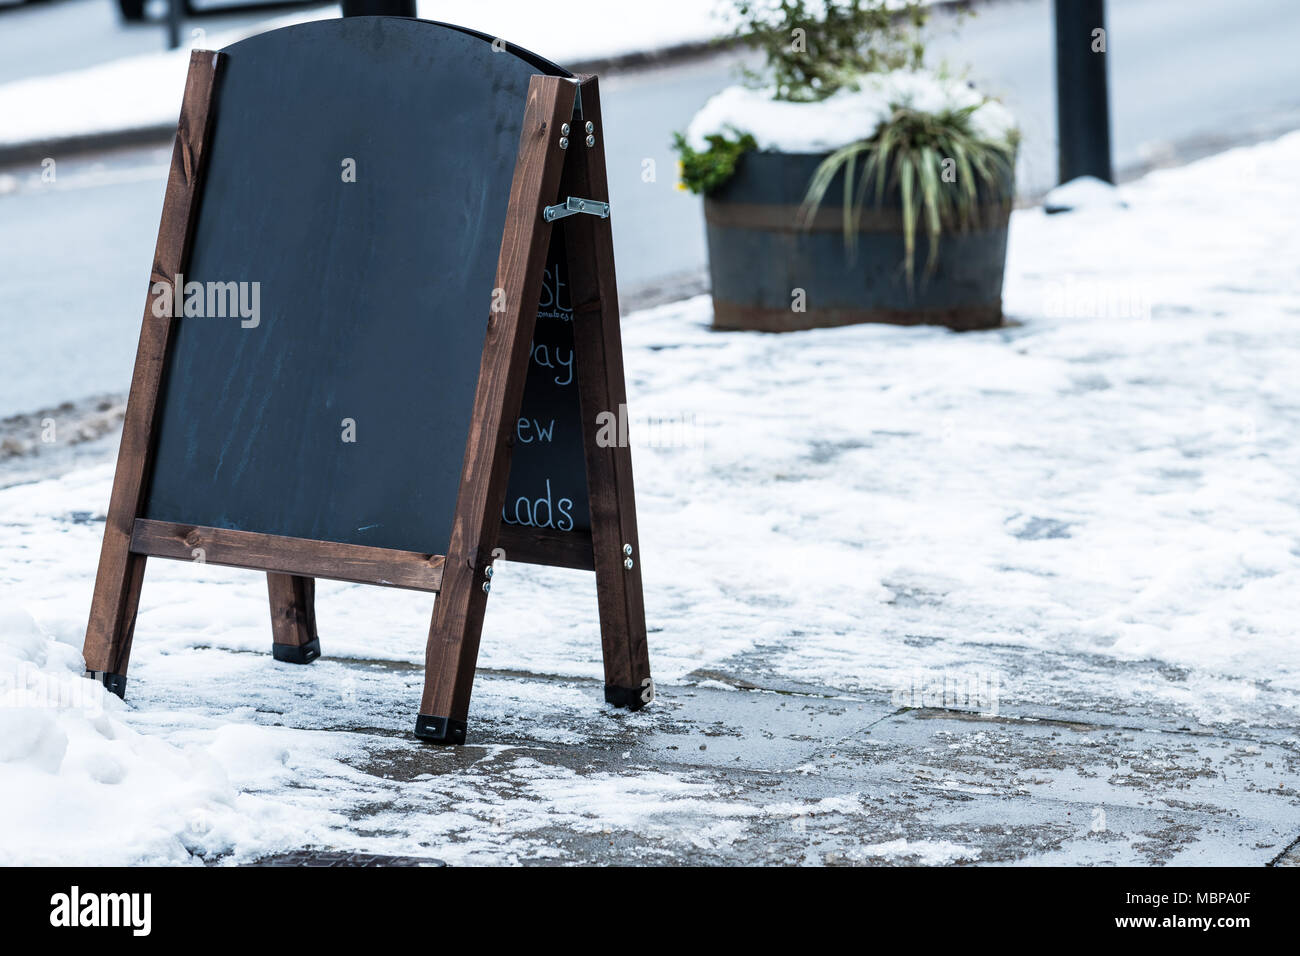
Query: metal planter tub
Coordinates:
[761,255]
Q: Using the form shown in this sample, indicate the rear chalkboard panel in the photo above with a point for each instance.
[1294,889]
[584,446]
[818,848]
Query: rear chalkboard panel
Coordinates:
[373,295]
[548,478]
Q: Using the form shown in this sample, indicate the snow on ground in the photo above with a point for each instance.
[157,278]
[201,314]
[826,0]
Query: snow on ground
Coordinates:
[925,852]
[1083,192]
[80,783]
[1111,479]
[145,91]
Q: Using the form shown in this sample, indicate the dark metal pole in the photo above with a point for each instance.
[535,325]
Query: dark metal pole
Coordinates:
[174,23]
[1082,101]
[379,8]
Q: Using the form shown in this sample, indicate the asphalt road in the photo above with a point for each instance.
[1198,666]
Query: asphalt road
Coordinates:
[1187,77]
[53,36]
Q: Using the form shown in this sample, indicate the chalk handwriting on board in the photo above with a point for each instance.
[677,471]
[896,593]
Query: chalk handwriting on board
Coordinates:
[555,302]
[555,357]
[528,511]
[529,430]
[548,484]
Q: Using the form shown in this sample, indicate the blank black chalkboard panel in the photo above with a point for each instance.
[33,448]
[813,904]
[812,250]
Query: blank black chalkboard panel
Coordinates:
[373,295]
[548,477]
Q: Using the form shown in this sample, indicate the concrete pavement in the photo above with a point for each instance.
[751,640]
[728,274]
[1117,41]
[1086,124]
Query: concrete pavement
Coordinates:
[799,775]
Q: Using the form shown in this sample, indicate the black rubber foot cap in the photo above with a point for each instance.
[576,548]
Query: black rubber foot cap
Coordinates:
[297,653]
[633,698]
[116,683]
[440,730]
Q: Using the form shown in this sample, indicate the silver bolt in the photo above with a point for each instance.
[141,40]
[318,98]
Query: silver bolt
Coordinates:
[487,586]
[488,571]
[627,549]
[590,127]
[591,141]
[564,142]
[564,129]
[627,563]
[582,204]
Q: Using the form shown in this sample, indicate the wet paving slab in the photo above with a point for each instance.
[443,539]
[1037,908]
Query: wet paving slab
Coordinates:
[1109,793]
[727,771]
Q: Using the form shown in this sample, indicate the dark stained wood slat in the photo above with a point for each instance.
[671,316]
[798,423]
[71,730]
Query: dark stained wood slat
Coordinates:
[598,356]
[561,549]
[293,609]
[121,572]
[290,556]
[458,614]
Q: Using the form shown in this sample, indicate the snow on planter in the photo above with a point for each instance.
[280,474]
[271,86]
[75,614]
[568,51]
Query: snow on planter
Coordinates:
[845,117]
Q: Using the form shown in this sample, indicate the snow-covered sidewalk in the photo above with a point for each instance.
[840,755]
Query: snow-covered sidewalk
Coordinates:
[1092,515]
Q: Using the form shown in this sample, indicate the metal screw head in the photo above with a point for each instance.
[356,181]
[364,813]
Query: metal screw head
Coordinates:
[627,563]
[582,204]
[564,129]
[488,572]
[564,142]
[627,549]
[591,141]
[590,127]
[487,586]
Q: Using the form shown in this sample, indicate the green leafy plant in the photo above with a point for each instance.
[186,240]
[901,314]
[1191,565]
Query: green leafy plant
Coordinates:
[705,171]
[944,174]
[814,48]
[811,50]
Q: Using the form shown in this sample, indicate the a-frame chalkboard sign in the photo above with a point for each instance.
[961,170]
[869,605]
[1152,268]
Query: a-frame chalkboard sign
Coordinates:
[381,334]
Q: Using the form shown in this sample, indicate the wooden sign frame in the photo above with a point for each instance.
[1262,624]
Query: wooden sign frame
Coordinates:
[545,171]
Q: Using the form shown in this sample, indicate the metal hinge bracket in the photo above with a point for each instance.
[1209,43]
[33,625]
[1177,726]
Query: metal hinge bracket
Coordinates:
[573,205]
